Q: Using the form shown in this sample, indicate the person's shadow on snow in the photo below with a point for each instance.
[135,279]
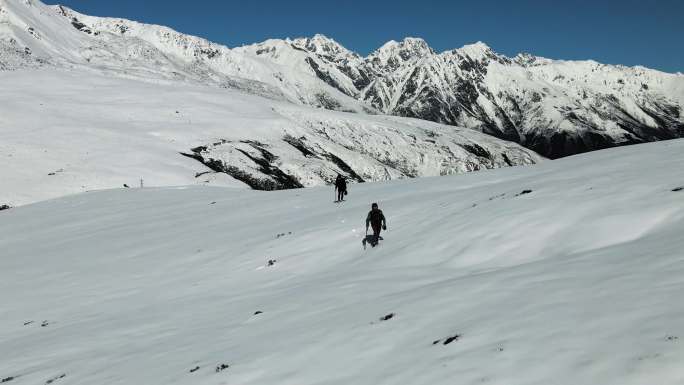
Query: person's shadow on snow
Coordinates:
[370,240]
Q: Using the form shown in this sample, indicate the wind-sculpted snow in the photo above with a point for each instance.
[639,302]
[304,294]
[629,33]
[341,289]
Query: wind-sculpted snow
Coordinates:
[72,131]
[567,272]
[555,107]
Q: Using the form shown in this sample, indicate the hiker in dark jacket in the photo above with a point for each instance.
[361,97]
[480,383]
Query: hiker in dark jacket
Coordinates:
[341,187]
[376,219]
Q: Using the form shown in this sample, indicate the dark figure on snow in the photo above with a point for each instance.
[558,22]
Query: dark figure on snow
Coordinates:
[376,220]
[341,187]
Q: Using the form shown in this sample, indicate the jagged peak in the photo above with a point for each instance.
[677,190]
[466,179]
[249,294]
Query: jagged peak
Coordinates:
[321,45]
[410,48]
[477,50]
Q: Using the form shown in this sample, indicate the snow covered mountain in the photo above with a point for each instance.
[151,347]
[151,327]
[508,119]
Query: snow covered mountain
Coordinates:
[69,131]
[100,103]
[554,107]
[577,281]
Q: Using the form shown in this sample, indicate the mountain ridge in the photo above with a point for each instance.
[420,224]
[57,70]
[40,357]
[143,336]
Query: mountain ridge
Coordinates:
[555,107]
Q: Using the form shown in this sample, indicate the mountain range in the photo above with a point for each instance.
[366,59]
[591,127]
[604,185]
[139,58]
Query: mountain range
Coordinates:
[554,107]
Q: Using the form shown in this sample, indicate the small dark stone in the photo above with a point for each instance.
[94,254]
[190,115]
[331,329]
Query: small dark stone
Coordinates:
[523,192]
[5,207]
[258,312]
[213,203]
[52,173]
[676,189]
[271,262]
[28,323]
[126,186]
[7,379]
[50,381]
[222,367]
[435,342]
[672,338]
[451,339]
[193,370]
[44,324]
[387,317]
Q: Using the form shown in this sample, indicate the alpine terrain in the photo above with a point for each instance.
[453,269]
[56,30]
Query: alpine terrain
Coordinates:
[152,228]
[554,107]
[567,272]
[104,110]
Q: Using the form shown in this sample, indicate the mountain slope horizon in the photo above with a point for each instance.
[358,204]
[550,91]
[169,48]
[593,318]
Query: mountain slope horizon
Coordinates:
[554,107]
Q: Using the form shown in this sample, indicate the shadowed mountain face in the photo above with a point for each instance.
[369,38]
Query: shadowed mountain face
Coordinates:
[556,108]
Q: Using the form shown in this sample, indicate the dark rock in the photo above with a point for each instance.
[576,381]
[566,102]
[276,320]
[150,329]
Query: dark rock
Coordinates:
[7,379]
[258,312]
[451,339]
[5,207]
[193,370]
[271,262]
[523,192]
[387,317]
[53,379]
[676,189]
[280,180]
[222,367]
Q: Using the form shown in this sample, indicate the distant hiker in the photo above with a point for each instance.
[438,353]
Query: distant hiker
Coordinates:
[376,219]
[341,187]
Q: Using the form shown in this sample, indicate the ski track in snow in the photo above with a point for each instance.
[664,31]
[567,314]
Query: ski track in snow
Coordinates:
[576,281]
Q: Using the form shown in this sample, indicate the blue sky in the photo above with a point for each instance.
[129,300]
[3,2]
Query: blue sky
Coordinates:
[631,32]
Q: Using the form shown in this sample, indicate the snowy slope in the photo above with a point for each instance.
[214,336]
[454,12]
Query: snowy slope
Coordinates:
[554,107]
[576,282]
[68,131]
[33,34]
